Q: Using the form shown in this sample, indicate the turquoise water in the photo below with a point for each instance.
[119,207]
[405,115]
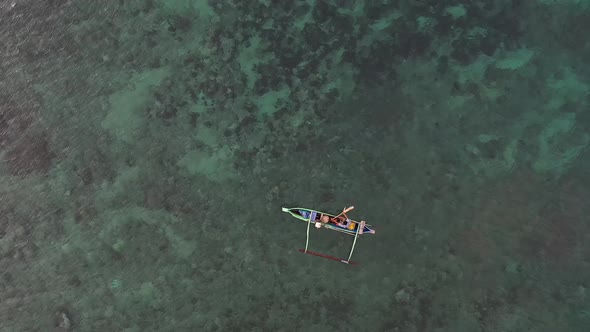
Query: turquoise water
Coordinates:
[147,148]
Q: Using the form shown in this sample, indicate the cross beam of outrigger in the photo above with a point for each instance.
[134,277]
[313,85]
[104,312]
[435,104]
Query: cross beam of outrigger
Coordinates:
[340,223]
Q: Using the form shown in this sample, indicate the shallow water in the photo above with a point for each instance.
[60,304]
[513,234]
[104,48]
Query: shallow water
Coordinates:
[147,148]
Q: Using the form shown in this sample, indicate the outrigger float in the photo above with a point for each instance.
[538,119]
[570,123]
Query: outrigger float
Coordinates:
[340,223]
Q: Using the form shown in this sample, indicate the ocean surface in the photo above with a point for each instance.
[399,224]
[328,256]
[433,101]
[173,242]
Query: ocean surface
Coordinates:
[147,148]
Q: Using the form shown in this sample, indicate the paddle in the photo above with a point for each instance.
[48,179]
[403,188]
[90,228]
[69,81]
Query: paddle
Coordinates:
[345,211]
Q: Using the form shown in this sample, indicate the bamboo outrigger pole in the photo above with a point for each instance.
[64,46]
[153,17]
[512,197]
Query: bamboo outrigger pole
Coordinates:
[308,224]
[359,230]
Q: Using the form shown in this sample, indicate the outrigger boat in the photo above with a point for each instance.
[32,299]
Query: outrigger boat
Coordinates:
[340,223]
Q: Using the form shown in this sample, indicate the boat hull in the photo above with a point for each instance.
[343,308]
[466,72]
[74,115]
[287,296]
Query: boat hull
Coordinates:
[309,215]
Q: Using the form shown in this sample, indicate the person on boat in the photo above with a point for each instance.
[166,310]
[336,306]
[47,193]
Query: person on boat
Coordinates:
[324,219]
[340,220]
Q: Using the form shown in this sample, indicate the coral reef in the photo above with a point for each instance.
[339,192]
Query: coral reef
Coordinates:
[146,148]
